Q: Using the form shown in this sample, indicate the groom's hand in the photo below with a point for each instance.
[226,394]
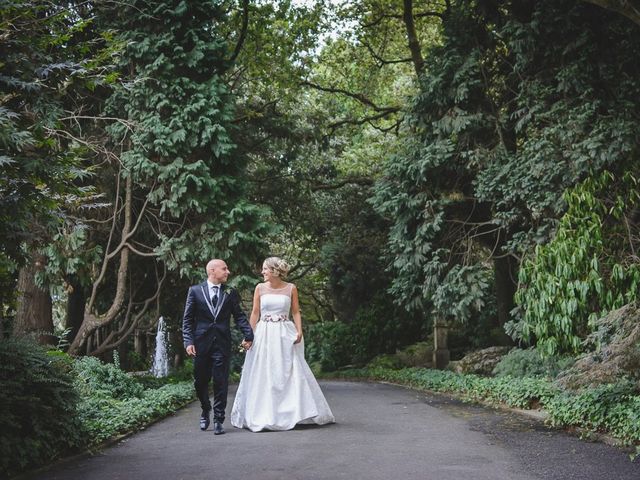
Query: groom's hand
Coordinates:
[246,345]
[191,351]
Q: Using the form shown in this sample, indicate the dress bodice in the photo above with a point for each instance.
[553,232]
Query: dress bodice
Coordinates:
[275,303]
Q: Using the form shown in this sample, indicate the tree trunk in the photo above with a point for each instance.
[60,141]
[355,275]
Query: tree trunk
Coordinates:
[140,342]
[506,274]
[93,321]
[75,307]
[34,313]
[123,353]
[175,340]
[412,37]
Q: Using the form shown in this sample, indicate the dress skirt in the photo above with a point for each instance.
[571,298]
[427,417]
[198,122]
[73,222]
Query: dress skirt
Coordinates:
[277,389]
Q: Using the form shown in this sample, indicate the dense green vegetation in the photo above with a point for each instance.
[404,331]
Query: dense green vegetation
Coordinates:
[467,162]
[53,405]
[404,181]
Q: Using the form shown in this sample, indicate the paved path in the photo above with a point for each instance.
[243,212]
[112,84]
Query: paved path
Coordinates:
[382,432]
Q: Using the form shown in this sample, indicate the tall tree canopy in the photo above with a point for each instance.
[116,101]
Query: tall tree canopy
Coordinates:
[406,156]
[520,102]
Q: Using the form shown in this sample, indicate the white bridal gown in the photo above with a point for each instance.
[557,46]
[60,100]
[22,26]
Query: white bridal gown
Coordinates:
[277,389]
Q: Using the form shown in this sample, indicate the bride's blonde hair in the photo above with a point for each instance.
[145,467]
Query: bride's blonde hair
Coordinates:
[278,266]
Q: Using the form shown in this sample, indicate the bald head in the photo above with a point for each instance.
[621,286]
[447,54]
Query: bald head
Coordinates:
[217,271]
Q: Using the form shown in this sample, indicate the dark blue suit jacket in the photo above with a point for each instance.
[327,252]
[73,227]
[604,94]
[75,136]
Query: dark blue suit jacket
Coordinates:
[204,330]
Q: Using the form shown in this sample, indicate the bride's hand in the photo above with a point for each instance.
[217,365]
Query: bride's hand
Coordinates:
[298,338]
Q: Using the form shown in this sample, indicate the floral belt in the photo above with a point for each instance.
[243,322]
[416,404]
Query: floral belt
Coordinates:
[274,318]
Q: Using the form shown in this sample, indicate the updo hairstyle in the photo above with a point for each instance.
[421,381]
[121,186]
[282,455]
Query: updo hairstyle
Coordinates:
[278,267]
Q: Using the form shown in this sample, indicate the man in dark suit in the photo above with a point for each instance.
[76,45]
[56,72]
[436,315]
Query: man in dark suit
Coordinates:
[206,334]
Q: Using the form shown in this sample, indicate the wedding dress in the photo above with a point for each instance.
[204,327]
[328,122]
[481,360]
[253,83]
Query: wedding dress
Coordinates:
[277,389]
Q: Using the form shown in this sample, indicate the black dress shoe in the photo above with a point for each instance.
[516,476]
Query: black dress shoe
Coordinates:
[218,429]
[205,419]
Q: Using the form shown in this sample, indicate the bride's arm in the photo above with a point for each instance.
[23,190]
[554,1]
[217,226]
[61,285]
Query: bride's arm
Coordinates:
[255,311]
[295,311]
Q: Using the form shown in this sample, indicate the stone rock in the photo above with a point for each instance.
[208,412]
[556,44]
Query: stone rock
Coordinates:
[616,342]
[481,362]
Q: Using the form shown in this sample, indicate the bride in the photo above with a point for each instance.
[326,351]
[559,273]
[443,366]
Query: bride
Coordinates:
[277,389]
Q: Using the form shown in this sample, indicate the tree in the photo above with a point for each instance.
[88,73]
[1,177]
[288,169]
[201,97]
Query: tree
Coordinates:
[511,112]
[175,188]
[48,58]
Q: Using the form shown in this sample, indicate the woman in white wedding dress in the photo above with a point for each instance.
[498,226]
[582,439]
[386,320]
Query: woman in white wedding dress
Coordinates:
[277,389]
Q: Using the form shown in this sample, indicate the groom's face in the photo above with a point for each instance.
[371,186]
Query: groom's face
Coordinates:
[218,272]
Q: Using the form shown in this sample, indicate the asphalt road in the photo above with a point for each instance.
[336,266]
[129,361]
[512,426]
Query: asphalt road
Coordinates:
[382,432]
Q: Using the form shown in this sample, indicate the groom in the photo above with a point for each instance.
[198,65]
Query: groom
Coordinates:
[207,337]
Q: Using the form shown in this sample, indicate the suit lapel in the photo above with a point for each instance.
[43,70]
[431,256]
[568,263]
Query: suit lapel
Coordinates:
[204,287]
[223,298]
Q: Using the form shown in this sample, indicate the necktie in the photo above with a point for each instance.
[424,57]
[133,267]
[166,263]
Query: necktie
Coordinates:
[214,297]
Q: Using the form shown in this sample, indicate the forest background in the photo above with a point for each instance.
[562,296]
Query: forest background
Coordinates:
[466,162]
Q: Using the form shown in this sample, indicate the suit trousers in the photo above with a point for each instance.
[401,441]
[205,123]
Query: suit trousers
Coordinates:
[213,365]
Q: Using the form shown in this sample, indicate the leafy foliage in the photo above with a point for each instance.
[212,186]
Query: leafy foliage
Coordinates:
[52,404]
[520,393]
[105,417]
[510,114]
[612,408]
[98,379]
[328,345]
[587,270]
[520,363]
[39,406]
[376,328]
[181,152]
[47,62]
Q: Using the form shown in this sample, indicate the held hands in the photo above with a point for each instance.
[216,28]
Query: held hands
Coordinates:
[246,345]
[298,338]
[191,351]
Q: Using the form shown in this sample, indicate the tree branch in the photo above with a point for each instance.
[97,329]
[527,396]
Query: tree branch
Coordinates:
[400,17]
[243,31]
[628,8]
[362,121]
[347,181]
[357,96]
[124,332]
[381,61]
[412,37]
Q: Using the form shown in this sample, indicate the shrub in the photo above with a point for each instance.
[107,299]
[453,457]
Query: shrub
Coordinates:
[137,362]
[329,344]
[149,382]
[386,360]
[39,417]
[529,363]
[417,355]
[105,417]
[613,408]
[113,402]
[105,379]
[381,327]
[183,373]
[586,271]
